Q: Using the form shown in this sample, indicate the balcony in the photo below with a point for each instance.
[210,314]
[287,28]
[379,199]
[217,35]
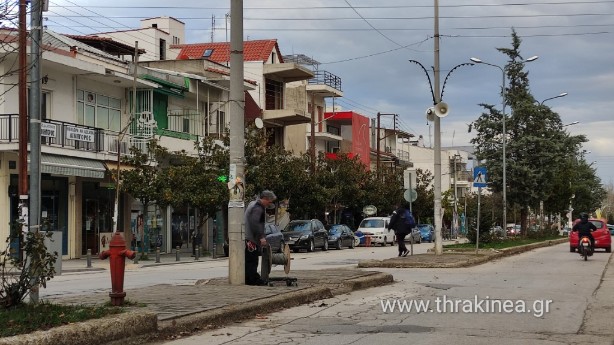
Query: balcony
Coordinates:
[325,84]
[187,124]
[288,72]
[66,135]
[463,178]
[285,117]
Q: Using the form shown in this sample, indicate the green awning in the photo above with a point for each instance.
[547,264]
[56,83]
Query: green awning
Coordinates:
[71,166]
[167,87]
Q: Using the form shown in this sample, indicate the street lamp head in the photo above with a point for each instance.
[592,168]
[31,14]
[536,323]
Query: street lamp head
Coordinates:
[532,58]
[563,94]
[476,60]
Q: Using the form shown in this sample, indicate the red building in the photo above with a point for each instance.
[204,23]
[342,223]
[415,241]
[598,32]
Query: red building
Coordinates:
[354,129]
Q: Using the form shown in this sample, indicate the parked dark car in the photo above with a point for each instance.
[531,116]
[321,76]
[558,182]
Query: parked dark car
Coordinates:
[340,236]
[274,237]
[306,234]
[427,232]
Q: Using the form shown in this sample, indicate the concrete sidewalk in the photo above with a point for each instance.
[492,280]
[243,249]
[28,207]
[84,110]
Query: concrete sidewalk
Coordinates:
[166,311]
[81,265]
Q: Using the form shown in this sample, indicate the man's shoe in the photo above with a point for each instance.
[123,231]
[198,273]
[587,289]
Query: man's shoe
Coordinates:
[405,253]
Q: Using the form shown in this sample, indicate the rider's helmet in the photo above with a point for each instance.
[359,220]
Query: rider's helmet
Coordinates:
[584,217]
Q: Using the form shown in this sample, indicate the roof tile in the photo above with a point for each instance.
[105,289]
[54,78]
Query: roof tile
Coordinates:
[258,50]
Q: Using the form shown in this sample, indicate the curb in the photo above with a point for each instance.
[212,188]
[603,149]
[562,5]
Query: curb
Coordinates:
[90,332]
[138,327]
[233,313]
[482,258]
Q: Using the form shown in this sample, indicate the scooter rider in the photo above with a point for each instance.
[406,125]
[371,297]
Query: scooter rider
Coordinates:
[585,228]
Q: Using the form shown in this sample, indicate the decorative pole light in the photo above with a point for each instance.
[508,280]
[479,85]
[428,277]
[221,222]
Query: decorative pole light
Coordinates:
[503,96]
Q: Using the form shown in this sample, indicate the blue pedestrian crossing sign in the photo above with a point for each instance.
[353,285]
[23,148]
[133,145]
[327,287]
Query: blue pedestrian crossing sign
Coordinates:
[479,177]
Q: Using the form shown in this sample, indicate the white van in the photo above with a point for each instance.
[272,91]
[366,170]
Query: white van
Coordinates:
[377,229]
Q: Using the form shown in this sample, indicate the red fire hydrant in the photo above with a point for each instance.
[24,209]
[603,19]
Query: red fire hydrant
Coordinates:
[118,253]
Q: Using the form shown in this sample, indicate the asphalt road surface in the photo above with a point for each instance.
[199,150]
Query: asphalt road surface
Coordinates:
[539,297]
[187,271]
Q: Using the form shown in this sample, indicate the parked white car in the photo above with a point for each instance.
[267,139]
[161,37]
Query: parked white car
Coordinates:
[377,229]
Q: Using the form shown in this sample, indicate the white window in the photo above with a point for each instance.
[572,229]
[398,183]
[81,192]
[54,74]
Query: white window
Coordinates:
[99,111]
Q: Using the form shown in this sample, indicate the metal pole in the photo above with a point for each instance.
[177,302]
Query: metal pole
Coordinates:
[35,119]
[377,148]
[236,246]
[503,94]
[437,149]
[312,136]
[23,123]
[477,232]
[177,258]
[455,218]
[157,254]
[89,258]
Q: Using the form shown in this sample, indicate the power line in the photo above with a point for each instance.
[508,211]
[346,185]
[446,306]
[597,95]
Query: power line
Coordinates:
[515,4]
[371,25]
[318,19]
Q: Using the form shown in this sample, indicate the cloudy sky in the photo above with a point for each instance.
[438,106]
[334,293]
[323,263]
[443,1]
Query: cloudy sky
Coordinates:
[368,44]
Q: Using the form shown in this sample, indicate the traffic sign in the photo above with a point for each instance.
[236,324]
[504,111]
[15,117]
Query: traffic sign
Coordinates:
[410,195]
[480,177]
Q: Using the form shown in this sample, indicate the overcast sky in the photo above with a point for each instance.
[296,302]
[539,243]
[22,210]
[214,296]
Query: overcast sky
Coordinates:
[368,44]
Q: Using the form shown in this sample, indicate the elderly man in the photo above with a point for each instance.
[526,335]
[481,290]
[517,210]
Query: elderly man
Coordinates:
[255,215]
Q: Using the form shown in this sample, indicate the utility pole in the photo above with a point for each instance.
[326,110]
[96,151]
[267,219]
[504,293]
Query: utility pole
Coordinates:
[437,149]
[312,137]
[380,138]
[377,148]
[120,137]
[35,125]
[23,121]
[236,237]
[455,218]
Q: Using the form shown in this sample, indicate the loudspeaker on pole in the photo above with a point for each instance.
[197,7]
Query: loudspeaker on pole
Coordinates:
[442,109]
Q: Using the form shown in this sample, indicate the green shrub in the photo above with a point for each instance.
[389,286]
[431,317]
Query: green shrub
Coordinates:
[17,277]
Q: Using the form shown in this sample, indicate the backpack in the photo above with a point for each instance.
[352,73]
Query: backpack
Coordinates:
[409,219]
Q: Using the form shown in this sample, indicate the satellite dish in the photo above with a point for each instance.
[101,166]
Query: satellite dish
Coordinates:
[259,123]
[430,114]
[441,109]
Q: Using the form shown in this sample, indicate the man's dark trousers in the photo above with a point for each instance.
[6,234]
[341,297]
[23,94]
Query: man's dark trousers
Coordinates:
[251,267]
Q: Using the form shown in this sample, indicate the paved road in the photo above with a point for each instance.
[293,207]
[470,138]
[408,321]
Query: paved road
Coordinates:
[547,274]
[187,271]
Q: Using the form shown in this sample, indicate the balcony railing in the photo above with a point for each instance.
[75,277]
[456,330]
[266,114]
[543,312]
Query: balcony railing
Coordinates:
[185,124]
[68,135]
[326,78]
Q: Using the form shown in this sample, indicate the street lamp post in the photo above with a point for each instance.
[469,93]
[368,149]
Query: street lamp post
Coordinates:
[558,96]
[503,96]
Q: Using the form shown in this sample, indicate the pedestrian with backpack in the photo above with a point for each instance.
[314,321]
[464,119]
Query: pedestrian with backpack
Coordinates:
[402,221]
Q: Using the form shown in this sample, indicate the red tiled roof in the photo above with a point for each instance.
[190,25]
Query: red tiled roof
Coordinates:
[259,50]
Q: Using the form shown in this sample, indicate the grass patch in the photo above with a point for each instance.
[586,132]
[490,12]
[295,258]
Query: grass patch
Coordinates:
[28,318]
[502,243]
